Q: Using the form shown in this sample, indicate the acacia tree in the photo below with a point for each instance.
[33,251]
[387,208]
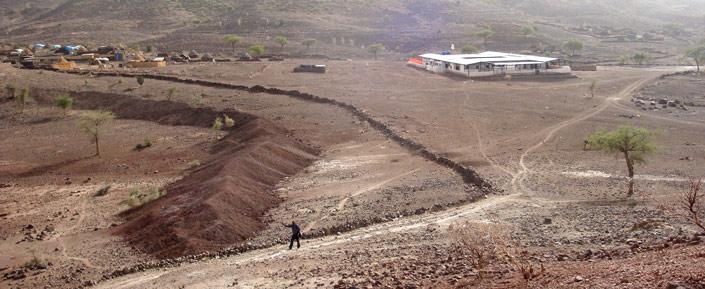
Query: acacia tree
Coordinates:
[573,45]
[485,35]
[65,102]
[634,143]
[282,41]
[698,55]
[375,49]
[91,122]
[233,40]
[308,43]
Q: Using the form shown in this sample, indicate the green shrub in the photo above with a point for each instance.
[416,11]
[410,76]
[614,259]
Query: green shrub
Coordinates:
[65,102]
[145,144]
[137,198]
[229,122]
[102,191]
[194,164]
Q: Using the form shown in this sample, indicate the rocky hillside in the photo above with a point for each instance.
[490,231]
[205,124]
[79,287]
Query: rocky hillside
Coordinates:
[343,28]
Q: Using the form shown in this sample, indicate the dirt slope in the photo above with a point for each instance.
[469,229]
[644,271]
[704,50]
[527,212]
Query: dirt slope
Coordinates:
[221,203]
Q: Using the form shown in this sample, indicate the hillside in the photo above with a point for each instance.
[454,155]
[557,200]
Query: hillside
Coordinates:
[344,28]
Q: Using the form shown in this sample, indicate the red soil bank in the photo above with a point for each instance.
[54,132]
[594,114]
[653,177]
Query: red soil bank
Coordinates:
[221,202]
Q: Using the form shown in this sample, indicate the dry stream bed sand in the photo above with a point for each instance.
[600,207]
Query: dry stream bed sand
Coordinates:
[526,137]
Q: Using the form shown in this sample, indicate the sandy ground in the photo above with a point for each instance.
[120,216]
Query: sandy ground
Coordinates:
[526,137]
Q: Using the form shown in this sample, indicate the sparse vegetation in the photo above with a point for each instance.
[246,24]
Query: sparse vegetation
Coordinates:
[217,126]
[193,164]
[698,55]
[488,243]
[10,91]
[138,198]
[197,100]
[147,143]
[484,35]
[170,93]
[102,191]
[593,87]
[375,49]
[228,122]
[233,40]
[633,143]
[693,204]
[640,58]
[140,80]
[527,30]
[257,49]
[673,29]
[282,41]
[22,99]
[91,123]
[469,49]
[65,102]
[308,43]
[35,263]
[573,46]
[478,241]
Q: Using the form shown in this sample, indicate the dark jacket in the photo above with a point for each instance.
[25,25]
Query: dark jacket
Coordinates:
[295,230]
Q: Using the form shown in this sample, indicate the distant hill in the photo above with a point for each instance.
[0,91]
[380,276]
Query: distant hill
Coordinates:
[343,27]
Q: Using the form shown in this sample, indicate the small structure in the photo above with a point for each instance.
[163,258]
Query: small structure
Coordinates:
[311,68]
[489,63]
[207,57]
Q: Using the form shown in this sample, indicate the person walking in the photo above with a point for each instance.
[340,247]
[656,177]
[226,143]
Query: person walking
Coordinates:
[295,235]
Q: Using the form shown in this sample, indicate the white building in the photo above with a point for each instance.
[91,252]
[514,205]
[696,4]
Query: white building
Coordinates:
[490,63]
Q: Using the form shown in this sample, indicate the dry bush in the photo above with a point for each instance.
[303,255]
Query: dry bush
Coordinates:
[491,243]
[479,241]
[693,204]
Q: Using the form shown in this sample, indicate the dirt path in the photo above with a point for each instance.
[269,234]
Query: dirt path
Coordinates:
[518,180]
[82,213]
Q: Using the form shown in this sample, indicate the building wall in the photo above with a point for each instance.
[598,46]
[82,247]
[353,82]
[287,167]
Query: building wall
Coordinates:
[481,70]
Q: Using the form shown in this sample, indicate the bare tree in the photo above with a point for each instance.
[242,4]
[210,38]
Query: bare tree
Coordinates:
[694,204]
[593,87]
[91,122]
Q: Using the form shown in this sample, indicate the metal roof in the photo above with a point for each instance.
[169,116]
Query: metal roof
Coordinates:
[488,57]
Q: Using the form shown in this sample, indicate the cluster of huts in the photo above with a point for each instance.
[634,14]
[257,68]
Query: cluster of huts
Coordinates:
[65,57]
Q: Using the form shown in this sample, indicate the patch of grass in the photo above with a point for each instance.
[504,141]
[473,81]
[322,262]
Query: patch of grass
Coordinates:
[102,191]
[194,164]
